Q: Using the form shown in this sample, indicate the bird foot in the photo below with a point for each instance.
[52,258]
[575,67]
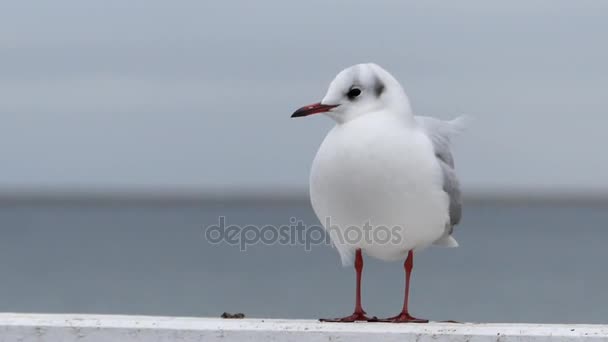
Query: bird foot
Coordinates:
[356,316]
[403,317]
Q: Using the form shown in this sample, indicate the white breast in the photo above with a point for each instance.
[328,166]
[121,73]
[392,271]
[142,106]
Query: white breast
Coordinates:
[377,170]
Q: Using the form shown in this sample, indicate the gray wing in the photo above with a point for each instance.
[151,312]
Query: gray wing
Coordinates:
[440,132]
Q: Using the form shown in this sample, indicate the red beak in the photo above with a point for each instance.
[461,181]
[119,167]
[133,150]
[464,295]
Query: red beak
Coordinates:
[314,108]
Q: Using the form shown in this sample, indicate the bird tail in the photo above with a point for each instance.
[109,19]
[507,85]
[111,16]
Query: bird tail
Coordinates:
[446,241]
[457,125]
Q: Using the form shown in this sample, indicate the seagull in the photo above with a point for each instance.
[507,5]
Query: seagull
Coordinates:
[383,181]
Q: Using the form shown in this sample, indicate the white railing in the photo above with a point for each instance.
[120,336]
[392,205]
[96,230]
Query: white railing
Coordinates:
[108,328]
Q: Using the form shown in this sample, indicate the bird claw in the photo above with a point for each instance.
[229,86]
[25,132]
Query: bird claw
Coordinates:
[403,317]
[355,317]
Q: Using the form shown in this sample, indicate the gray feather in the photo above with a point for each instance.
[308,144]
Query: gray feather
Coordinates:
[452,188]
[440,132]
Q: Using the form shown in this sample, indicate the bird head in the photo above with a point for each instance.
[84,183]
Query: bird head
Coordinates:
[359,90]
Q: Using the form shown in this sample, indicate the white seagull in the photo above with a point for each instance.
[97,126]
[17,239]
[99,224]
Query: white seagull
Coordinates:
[383,180]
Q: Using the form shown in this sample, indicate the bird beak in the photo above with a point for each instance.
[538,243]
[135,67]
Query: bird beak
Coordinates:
[314,108]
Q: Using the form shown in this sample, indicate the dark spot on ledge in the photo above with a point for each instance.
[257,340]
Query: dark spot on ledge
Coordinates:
[233,316]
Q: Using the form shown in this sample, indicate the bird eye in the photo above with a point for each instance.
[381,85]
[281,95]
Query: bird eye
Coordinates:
[354,92]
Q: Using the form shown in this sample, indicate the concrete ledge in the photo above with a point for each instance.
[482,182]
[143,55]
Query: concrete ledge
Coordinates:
[100,328]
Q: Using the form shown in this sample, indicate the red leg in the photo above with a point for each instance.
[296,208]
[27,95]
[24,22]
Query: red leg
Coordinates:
[359,314]
[404,316]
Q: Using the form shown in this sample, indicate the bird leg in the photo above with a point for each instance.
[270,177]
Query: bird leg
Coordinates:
[404,316]
[359,314]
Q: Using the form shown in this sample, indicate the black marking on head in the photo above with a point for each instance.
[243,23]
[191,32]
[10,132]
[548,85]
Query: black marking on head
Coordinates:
[378,87]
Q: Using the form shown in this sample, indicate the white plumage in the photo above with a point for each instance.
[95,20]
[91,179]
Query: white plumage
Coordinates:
[378,166]
[383,181]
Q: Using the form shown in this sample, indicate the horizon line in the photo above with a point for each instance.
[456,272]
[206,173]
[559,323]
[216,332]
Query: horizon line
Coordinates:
[175,195]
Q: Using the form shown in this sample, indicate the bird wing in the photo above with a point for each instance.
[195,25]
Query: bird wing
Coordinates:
[440,132]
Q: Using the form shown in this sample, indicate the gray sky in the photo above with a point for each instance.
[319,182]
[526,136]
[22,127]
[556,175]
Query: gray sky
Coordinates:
[198,94]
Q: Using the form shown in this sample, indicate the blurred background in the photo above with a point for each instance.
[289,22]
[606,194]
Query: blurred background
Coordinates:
[128,127]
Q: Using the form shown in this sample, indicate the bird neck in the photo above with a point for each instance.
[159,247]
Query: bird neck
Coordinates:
[399,104]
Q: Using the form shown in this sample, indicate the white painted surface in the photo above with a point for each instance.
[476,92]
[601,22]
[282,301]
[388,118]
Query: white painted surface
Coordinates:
[99,328]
